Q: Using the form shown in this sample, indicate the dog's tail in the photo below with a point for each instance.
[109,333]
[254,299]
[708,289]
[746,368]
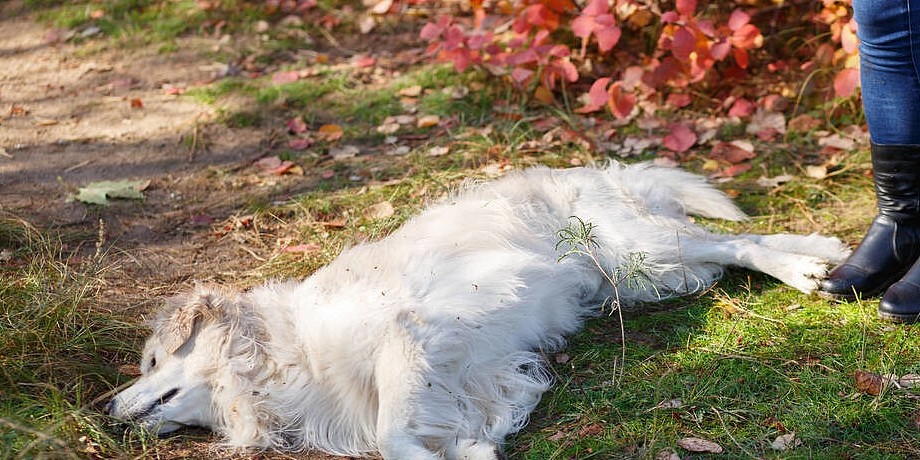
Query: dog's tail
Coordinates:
[692,193]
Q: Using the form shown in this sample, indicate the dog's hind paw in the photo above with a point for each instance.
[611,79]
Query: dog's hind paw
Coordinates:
[805,273]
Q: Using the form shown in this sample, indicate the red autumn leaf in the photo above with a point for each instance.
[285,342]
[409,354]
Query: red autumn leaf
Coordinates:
[686,7]
[520,75]
[730,153]
[741,108]
[595,8]
[301,143]
[741,57]
[719,50]
[683,43]
[845,82]
[281,78]
[738,19]
[434,30]
[678,100]
[680,139]
[607,33]
[137,103]
[364,61]
[296,125]
[734,170]
[620,102]
[303,248]
[597,96]
[746,37]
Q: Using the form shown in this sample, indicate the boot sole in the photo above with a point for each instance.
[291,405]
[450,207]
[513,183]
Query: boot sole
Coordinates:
[903,319]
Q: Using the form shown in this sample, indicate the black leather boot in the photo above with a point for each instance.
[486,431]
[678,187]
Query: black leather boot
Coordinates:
[892,243]
[901,302]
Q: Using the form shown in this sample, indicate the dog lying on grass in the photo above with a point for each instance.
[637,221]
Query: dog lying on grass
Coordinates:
[426,344]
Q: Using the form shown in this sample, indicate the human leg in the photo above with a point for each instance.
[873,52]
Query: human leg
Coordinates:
[889,32]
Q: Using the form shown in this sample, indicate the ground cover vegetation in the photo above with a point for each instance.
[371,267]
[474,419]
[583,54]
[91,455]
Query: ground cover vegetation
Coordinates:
[372,109]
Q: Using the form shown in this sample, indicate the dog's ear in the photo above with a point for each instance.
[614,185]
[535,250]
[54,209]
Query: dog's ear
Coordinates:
[187,312]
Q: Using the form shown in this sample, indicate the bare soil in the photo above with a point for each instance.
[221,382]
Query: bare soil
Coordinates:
[67,119]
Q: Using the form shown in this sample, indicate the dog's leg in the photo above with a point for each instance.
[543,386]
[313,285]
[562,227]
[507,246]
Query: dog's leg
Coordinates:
[399,378]
[823,247]
[797,270]
[471,449]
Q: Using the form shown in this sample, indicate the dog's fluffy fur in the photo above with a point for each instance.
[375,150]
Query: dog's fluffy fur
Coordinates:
[426,344]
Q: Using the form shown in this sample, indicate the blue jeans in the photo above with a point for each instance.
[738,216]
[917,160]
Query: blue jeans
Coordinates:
[889,48]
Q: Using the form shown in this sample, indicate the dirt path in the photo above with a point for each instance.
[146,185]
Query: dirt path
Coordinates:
[66,120]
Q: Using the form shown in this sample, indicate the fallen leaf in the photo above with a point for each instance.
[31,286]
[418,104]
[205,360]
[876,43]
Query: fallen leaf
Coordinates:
[281,78]
[388,128]
[731,153]
[380,210]
[382,6]
[773,182]
[137,103]
[803,123]
[296,125]
[366,24]
[699,445]
[303,248]
[667,454]
[765,121]
[670,404]
[838,142]
[131,370]
[741,108]
[345,151]
[301,143]
[816,171]
[438,151]
[869,382]
[399,150]
[279,167]
[363,61]
[100,192]
[680,139]
[328,174]
[412,91]
[785,442]
[427,121]
[330,133]
[909,381]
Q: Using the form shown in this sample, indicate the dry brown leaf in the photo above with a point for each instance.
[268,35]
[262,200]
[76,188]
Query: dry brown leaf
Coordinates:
[380,210]
[411,91]
[427,121]
[667,454]
[438,151]
[700,445]
[816,171]
[785,442]
[869,382]
[773,182]
[803,123]
[345,151]
[330,133]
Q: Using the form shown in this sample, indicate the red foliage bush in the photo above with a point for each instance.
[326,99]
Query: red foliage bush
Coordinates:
[622,52]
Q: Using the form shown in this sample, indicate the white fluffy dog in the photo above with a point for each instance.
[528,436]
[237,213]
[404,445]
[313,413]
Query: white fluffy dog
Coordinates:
[426,344]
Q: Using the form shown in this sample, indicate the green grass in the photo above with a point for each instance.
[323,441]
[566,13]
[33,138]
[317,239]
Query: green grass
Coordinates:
[56,350]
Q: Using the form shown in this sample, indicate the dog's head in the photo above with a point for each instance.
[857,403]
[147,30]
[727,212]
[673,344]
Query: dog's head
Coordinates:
[178,366]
